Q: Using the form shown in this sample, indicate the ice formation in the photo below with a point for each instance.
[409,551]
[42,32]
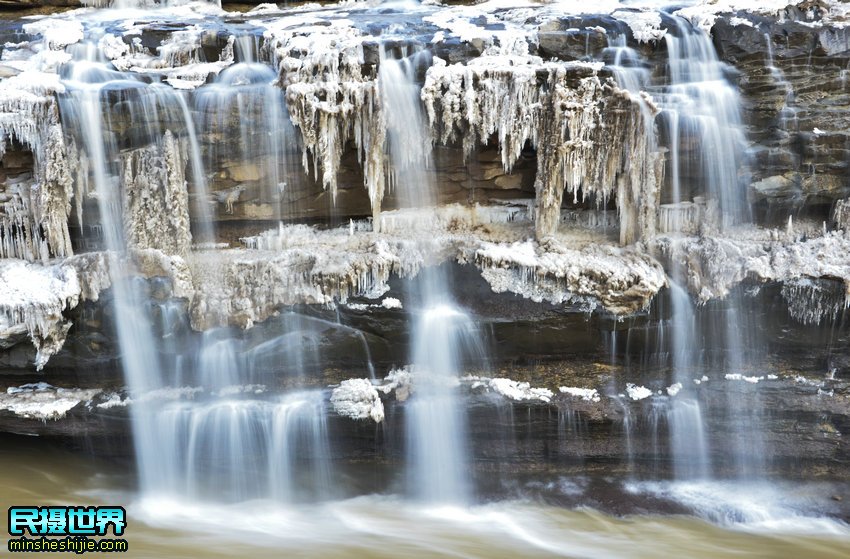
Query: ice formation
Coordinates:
[636,392]
[34,298]
[590,135]
[179,59]
[622,279]
[399,381]
[43,401]
[35,209]
[744,378]
[156,200]
[715,265]
[674,389]
[592,139]
[519,391]
[299,264]
[358,399]
[331,99]
[811,301]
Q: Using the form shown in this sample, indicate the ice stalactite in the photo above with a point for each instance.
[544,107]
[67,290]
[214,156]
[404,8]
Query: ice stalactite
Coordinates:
[35,210]
[590,135]
[490,95]
[34,297]
[156,199]
[596,144]
[811,301]
[333,98]
[841,214]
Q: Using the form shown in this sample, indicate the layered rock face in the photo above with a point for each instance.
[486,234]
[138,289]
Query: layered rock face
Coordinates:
[792,71]
[245,159]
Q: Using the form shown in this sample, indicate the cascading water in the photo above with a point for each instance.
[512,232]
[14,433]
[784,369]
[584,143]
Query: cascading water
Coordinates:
[219,436]
[685,419]
[254,372]
[248,114]
[442,336]
[704,108]
[697,107]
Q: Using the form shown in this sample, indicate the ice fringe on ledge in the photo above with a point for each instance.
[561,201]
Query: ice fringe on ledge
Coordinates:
[811,301]
[715,265]
[558,273]
[43,401]
[34,297]
[34,210]
[591,137]
[330,99]
[300,264]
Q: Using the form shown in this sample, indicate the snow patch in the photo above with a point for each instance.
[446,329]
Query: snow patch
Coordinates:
[586,394]
[674,389]
[645,25]
[114,401]
[519,391]
[740,377]
[56,33]
[391,303]
[636,392]
[43,401]
[358,399]
[400,380]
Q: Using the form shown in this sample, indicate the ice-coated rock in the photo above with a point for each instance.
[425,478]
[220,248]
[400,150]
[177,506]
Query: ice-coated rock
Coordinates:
[358,399]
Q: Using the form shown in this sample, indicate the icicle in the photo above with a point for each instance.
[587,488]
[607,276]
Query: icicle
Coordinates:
[590,135]
[841,214]
[811,301]
[35,212]
[156,200]
[332,102]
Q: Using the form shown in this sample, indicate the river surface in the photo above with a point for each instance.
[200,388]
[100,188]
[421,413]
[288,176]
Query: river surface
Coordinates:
[387,526]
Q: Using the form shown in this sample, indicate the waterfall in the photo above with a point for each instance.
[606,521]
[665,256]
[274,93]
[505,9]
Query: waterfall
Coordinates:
[91,85]
[703,107]
[443,336]
[687,428]
[201,429]
[248,114]
[700,125]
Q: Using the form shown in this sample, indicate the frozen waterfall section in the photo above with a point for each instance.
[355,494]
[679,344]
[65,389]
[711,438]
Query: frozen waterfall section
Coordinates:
[353,171]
